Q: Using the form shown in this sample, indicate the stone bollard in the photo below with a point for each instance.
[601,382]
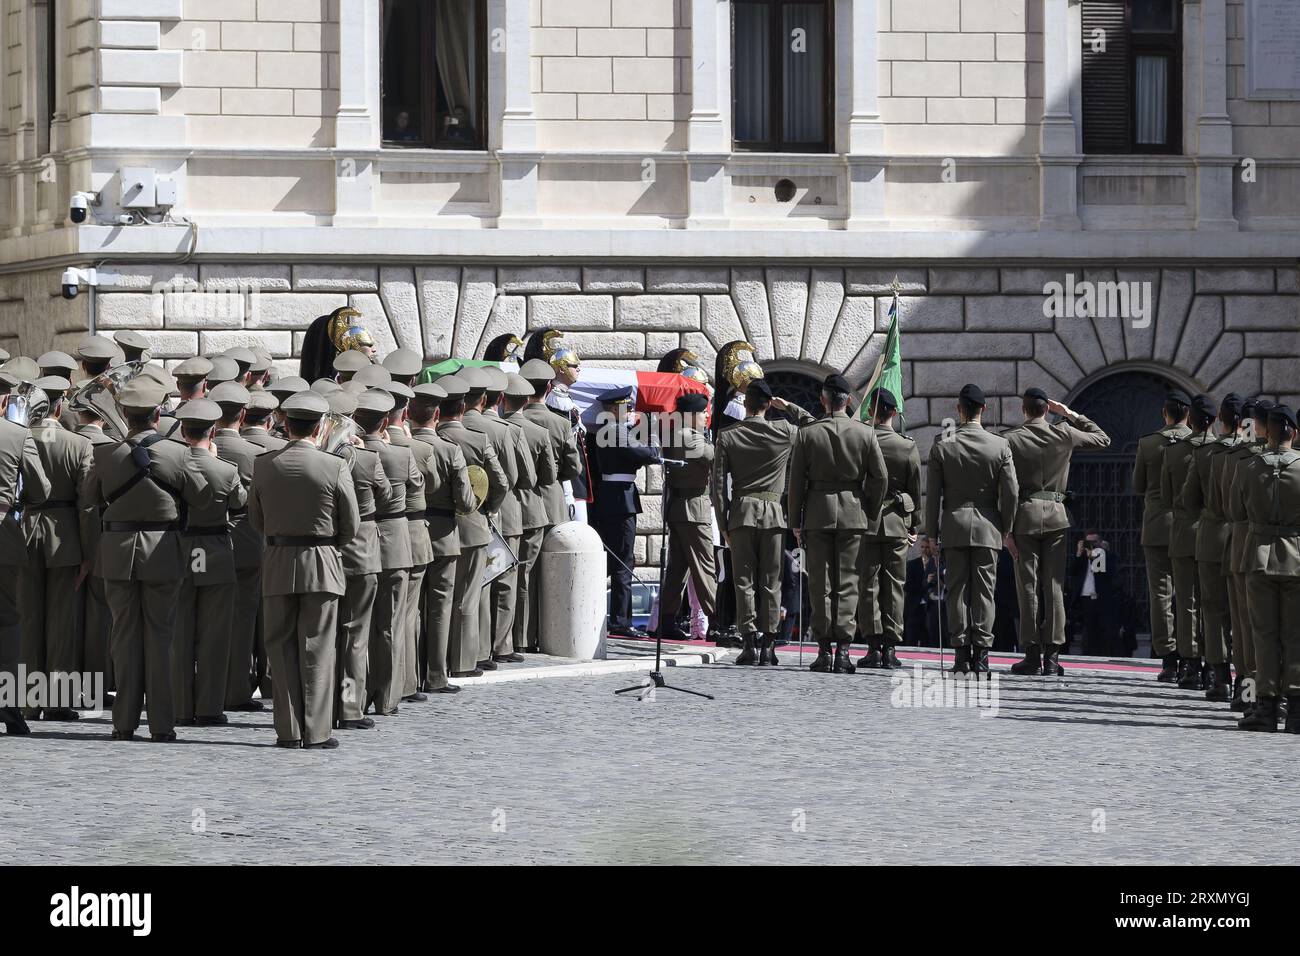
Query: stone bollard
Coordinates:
[571,604]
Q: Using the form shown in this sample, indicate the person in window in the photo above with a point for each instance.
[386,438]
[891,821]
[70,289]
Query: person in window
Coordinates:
[402,130]
[457,129]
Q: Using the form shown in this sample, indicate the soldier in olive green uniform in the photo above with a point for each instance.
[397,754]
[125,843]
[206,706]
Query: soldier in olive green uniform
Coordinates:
[532,500]
[884,549]
[98,620]
[1253,438]
[689,518]
[205,610]
[1041,455]
[303,503]
[447,493]
[49,592]
[1268,486]
[143,484]
[1200,496]
[749,478]
[971,482]
[1174,467]
[22,485]
[1157,523]
[60,365]
[837,487]
[464,643]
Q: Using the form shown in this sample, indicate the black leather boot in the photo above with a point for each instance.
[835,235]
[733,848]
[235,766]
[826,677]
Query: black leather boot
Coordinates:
[767,651]
[843,665]
[979,660]
[1031,665]
[1052,662]
[748,655]
[1189,673]
[961,661]
[1263,718]
[1238,701]
[1220,689]
[872,660]
[1169,673]
[1292,714]
[888,659]
[823,662]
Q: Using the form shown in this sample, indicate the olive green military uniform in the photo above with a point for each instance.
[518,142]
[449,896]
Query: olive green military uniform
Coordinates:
[1200,495]
[421,555]
[884,547]
[505,589]
[1041,454]
[837,487]
[205,610]
[1157,522]
[971,498]
[568,460]
[464,645]
[1227,465]
[304,504]
[1268,487]
[1174,468]
[260,436]
[361,570]
[144,563]
[22,485]
[749,477]
[388,621]
[447,493]
[247,545]
[98,621]
[51,603]
[690,525]
[536,519]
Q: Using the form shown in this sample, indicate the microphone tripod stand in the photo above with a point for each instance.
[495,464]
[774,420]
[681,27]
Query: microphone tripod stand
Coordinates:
[656,676]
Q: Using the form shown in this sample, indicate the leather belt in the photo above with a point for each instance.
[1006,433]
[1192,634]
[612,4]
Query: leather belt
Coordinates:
[991,505]
[131,527]
[370,517]
[773,496]
[1056,497]
[689,492]
[203,531]
[50,506]
[391,516]
[298,541]
[439,513]
[1275,530]
[833,486]
[415,516]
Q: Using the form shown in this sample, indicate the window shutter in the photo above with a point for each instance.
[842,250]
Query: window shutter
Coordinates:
[1106,97]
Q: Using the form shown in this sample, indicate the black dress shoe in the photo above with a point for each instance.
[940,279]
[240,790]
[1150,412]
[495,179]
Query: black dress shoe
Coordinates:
[416,698]
[123,735]
[365,723]
[508,658]
[449,689]
[767,650]
[1238,703]
[331,744]
[62,713]
[979,660]
[533,649]
[488,665]
[1031,665]
[628,630]
[167,738]
[822,663]
[219,720]
[249,706]
[1052,663]
[842,663]
[1169,671]
[474,673]
[961,661]
[748,654]
[289,744]
[872,660]
[889,659]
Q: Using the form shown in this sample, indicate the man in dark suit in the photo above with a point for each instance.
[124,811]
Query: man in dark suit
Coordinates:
[921,597]
[618,455]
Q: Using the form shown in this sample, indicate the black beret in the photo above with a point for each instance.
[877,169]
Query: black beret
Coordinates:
[692,402]
[1179,396]
[836,383]
[885,400]
[760,389]
[1036,393]
[972,393]
[1203,406]
[1231,405]
[1283,413]
[1263,406]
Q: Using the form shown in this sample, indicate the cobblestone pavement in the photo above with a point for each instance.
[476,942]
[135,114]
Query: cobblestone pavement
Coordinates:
[785,766]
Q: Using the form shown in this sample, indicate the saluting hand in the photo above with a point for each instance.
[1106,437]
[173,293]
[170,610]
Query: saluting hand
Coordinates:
[1059,408]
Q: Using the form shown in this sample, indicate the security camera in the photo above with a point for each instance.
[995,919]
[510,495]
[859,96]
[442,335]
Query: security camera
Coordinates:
[71,281]
[79,206]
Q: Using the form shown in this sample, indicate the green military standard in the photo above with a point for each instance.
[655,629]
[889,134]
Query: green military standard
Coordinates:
[475,533]
[1041,455]
[22,484]
[749,477]
[1174,467]
[689,517]
[1253,440]
[142,486]
[49,592]
[536,514]
[447,493]
[884,549]
[971,498]
[205,609]
[1200,496]
[1268,485]
[837,487]
[303,502]
[1157,525]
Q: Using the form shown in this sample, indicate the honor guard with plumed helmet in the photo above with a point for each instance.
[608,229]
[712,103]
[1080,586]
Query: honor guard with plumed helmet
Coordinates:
[331,337]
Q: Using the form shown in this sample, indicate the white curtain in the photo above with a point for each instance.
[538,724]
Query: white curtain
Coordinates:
[753,72]
[1152,95]
[456,49]
[804,72]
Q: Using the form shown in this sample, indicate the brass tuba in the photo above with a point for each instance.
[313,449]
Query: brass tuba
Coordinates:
[99,396]
[28,405]
[337,432]
[740,372]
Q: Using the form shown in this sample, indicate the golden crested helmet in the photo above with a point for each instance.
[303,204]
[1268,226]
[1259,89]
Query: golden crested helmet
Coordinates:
[695,374]
[559,354]
[346,332]
[738,365]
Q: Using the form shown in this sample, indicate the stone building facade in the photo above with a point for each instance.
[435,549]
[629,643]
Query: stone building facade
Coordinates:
[608,195]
